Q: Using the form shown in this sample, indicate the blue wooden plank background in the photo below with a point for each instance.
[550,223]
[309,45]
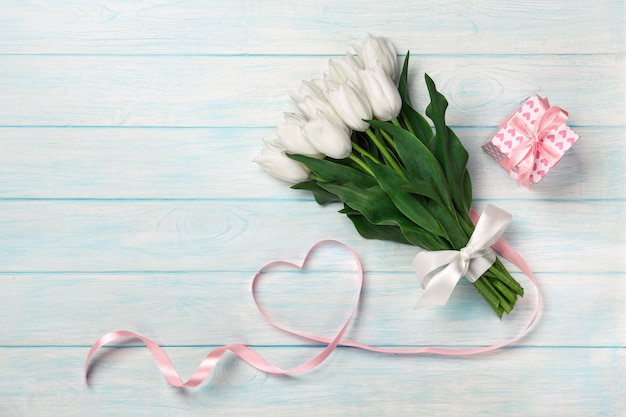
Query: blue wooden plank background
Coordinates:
[129,200]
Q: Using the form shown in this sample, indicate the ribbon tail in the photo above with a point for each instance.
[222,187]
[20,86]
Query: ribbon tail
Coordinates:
[427,263]
[523,167]
[489,227]
[525,181]
[520,162]
[441,285]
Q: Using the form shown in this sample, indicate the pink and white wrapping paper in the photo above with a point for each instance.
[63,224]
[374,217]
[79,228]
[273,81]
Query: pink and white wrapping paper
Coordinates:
[532,140]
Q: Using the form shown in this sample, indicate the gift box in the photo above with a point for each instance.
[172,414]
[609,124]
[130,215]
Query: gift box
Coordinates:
[532,140]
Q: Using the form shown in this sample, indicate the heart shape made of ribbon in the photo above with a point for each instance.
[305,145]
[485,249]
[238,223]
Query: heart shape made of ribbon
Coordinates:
[250,356]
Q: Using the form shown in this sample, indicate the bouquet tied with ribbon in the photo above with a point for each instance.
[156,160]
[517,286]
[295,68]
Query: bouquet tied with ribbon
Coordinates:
[358,140]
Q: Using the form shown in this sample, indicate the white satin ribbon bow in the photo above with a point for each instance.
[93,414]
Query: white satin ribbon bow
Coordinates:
[440,271]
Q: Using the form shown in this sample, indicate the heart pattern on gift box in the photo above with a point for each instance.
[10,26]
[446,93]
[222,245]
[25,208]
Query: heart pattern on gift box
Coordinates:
[561,139]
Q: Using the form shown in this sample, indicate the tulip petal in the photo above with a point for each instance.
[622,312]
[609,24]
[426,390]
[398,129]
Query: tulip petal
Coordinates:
[327,137]
[290,137]
[276,163]
[350,104]
[381,92]
[379,49]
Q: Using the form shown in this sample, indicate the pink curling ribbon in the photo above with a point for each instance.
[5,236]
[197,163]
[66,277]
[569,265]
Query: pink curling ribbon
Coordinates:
[251,357]
[522,158]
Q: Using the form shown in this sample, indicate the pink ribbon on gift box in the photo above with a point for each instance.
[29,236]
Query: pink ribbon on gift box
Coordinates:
[522,159]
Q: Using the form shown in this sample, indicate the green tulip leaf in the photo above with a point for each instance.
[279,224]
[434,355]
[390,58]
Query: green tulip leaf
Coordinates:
[408,204]
[405,233]
[331,171]
[322,196]
[419,187]
[419,125]
[378,208]
[419,162]
[403,81]
[449,150]
[372,202]
[372,231]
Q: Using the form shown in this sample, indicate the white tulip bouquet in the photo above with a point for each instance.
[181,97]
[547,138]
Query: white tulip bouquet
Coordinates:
[358,140]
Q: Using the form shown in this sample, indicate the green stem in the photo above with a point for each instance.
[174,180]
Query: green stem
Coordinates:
[502,301]
[505,291]
[361,164]
[385,153]
[500,271]
[364,152]
[487,292]
[389,140]
[406,123]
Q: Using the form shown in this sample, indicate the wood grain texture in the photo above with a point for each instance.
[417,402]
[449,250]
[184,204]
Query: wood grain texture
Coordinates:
[128,200]
[517,382]
[129,235]
[47,305]
[117,163]
[251,91]
[283,26]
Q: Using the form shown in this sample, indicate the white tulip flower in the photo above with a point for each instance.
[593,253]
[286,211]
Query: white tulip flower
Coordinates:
[381,92]
[344,69]
[350,103]
[290,137]
[310,98]
[380,49]
[327,137]
[273,159]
